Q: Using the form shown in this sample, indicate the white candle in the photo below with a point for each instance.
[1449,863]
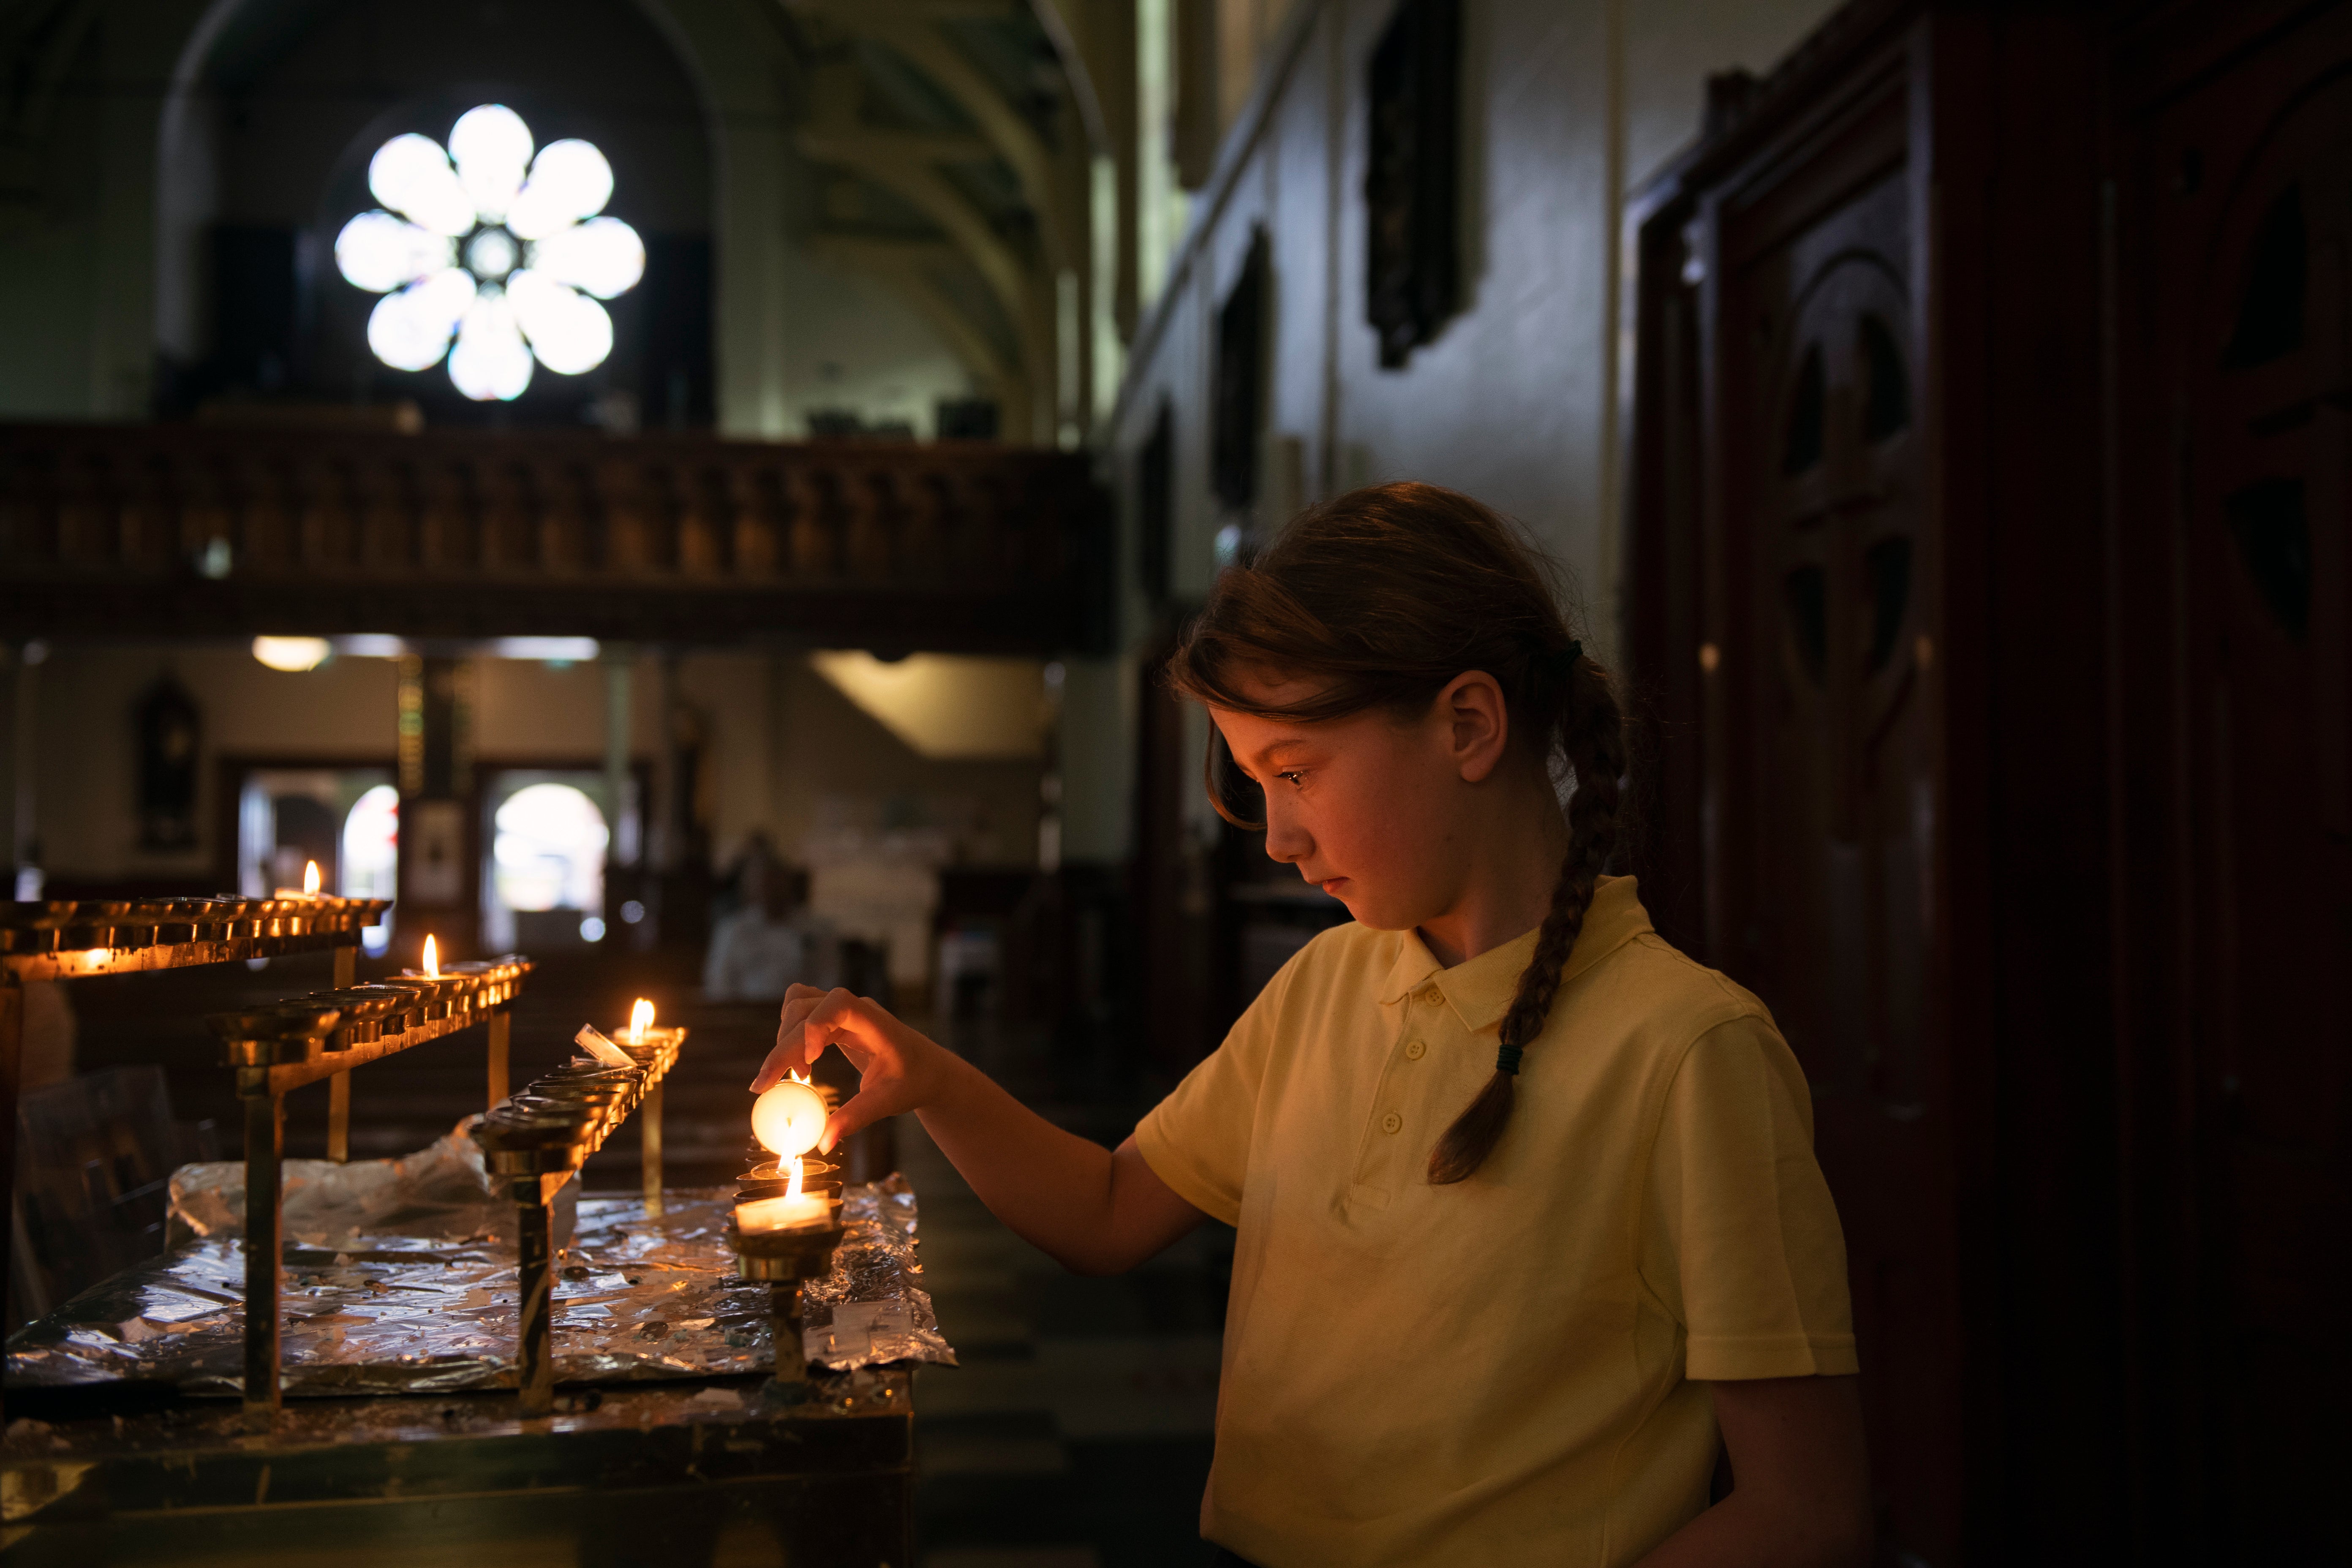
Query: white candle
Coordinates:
[592,1039]
[789,1119]
[794,1208]
[309,883]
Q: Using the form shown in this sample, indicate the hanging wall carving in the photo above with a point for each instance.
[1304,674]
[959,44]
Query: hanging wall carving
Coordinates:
[1413,243]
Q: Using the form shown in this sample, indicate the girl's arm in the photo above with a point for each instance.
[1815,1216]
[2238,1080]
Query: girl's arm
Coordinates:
[1091,1209]
[1801,1481]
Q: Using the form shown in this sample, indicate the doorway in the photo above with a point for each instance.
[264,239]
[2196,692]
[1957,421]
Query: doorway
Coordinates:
[549,836]
[346,819]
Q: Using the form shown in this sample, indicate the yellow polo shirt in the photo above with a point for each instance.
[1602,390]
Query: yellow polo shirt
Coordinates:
[1511,1369]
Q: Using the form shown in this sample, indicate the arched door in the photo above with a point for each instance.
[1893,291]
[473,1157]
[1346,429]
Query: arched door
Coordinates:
[2268,390]
[1819,806]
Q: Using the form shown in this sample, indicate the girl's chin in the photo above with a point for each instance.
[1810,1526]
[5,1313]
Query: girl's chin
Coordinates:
[1368,913]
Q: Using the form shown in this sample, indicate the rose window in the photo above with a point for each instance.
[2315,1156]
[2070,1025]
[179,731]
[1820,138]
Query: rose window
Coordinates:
[494,247]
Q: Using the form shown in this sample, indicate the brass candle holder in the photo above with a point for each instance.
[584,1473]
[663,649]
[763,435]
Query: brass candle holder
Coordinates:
[535,1141]
[786,1258]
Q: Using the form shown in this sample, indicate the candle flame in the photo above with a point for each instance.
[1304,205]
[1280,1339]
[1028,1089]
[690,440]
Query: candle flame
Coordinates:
[311,879]
[432,959]
[798,1077]
[641,1018]
[794,1189]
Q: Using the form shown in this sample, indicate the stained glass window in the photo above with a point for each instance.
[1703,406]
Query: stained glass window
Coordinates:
[490,253]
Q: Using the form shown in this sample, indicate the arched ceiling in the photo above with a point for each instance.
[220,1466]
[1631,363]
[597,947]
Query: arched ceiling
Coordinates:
[952,164]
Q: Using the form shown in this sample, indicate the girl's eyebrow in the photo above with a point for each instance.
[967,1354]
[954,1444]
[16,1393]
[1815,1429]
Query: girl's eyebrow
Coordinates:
[1268,755]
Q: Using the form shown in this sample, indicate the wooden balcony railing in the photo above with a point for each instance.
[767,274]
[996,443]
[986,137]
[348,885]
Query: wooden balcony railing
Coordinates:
[198,532]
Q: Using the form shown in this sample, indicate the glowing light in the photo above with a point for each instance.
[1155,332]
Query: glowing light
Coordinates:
[410,330]
[789,1119]
[792,1187]
[379,252]
[641,1018]
[499,248]
[490,361]
[491,147]
[311,879]
[292,655]
[783,1213]
[432,959]
[492,254]
[602,255]
[569,331]
[570,181]
[412,175]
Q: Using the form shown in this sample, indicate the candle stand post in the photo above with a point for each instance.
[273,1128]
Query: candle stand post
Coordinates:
[286,1044]
[535,1142]
[786,1258]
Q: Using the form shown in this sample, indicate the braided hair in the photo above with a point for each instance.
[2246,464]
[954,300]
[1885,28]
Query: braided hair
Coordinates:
[1381,597]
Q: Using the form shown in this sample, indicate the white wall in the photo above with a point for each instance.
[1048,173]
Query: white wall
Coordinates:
[852,343]
[1568,104]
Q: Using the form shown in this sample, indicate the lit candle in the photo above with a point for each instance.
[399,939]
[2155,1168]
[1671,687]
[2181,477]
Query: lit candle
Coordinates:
[788,1119]
[309,883]
[641,1018]
[795,1208]
[432,959]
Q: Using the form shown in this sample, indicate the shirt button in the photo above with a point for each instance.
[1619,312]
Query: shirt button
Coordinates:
[1392,1123]
[1416,1051]
[1430,996]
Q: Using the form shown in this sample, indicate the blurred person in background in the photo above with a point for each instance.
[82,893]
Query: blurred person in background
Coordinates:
[770,942]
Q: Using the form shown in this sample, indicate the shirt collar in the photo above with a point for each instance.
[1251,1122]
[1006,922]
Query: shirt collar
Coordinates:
[1480,989]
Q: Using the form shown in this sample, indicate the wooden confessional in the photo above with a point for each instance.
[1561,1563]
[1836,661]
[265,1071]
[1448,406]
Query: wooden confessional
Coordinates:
[1987,603]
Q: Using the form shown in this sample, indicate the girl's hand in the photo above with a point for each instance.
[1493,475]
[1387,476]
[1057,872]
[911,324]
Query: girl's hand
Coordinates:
[897,1068]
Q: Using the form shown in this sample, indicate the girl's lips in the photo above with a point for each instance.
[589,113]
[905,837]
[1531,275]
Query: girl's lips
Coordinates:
[1332,885]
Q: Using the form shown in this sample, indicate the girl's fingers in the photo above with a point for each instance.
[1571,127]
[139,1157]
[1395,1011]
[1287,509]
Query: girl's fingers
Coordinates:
[859,1111]
[845,1019]
[790,1052]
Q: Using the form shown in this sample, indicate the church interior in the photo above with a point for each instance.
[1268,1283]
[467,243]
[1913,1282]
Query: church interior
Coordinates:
[512,511]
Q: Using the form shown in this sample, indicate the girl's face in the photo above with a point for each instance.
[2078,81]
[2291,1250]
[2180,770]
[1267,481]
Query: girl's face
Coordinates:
[1381,811]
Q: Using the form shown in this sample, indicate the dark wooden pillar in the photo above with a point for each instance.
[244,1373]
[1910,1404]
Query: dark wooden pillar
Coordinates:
[440,809]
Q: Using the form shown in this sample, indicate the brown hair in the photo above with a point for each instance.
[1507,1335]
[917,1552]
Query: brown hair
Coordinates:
[1381,597]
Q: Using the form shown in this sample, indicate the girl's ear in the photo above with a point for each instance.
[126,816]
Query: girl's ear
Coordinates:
[1478,723]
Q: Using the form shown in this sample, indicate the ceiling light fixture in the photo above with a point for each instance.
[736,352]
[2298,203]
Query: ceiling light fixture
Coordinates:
[293,655]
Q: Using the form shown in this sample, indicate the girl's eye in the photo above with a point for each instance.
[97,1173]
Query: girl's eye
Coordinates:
[1291,777]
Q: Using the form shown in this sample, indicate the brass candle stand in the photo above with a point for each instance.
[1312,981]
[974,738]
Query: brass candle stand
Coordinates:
[536,1140]
[282,1047]
[786,1258]
[73,939]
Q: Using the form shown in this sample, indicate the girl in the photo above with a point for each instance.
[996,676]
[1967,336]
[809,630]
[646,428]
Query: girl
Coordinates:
[1529,1225]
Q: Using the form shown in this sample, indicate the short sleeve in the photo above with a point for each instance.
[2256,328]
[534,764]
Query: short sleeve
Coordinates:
[1741,1240]
[1198,1139]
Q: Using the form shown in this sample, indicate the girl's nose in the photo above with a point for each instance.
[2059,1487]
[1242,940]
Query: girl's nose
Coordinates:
[1284,840]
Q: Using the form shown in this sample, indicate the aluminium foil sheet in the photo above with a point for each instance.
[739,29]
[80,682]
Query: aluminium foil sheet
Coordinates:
[638,1297]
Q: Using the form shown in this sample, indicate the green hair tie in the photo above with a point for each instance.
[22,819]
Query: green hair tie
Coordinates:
[1507,1059]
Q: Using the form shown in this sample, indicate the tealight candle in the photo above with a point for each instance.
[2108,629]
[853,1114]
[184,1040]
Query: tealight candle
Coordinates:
[789,1119]
[432,959]
[309,883]
[641,1018]
[795,1208]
